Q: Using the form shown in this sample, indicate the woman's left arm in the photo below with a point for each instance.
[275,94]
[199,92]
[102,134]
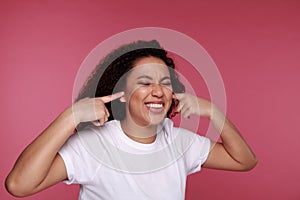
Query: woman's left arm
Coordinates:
[233,153]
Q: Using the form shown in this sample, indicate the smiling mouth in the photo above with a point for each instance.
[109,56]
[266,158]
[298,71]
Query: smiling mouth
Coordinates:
[155,105]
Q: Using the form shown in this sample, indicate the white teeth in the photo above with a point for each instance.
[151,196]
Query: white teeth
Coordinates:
[152,105]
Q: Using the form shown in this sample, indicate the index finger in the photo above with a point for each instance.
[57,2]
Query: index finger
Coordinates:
[112,97]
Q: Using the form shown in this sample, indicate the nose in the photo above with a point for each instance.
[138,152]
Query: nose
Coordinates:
[157,90]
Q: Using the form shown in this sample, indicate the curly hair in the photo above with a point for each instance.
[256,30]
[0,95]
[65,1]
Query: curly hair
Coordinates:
[112,71]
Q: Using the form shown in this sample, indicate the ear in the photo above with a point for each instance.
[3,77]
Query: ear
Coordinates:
[122,99]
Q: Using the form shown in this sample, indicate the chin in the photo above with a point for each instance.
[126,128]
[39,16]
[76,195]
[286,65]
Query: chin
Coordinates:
[149,122]
[155,120]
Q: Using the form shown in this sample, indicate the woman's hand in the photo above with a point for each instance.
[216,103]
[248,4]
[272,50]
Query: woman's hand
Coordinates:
[190,104]
[40,166]
[233,153]
[93,109]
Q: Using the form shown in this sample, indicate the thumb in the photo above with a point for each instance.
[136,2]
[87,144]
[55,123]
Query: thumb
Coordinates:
[112,97]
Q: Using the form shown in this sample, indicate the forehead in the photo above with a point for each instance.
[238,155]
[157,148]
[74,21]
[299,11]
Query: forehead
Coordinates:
[150,66]
[149,59]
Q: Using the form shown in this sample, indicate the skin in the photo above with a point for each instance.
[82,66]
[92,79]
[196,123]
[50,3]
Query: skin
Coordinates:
[148,83]
[41,155]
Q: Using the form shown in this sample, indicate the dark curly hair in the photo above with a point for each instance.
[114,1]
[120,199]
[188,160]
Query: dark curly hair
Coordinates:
[112,71]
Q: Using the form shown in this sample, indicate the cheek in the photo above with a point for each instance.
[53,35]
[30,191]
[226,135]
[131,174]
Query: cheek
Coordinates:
[137,94]
[168,93]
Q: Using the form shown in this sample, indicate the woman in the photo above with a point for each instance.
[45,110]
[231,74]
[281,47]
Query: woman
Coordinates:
[132,150]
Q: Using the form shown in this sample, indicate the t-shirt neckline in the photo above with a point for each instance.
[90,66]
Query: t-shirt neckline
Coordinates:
[136,144]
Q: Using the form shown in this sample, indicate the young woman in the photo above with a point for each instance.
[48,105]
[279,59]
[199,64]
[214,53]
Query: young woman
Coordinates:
[126,146]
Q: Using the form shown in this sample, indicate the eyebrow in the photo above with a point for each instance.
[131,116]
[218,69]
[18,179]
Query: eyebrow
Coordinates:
[144,76]
[150,78]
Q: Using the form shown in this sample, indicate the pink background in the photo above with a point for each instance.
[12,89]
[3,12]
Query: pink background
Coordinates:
[255,44]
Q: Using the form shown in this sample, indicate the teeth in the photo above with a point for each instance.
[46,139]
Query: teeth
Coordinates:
[152,105]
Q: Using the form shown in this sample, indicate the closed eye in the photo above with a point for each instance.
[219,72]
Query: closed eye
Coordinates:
[166,84]
[144,83]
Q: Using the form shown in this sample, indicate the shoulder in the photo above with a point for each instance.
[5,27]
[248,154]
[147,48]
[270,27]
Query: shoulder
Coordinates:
[91,134]
[92,131]
[175,131]
[183,135]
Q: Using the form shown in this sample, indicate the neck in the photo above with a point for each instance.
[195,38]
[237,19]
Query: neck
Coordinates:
[141,134]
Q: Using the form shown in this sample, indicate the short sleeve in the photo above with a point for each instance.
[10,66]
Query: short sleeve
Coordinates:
[80,166]
[197,154]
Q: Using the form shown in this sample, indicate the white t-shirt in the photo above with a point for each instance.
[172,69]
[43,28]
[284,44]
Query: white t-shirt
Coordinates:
[109,165]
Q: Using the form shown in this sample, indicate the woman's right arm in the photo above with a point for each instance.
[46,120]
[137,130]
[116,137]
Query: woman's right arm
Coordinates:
[40,166]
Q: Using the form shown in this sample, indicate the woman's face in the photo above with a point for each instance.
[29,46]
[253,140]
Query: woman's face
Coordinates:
[148,92]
